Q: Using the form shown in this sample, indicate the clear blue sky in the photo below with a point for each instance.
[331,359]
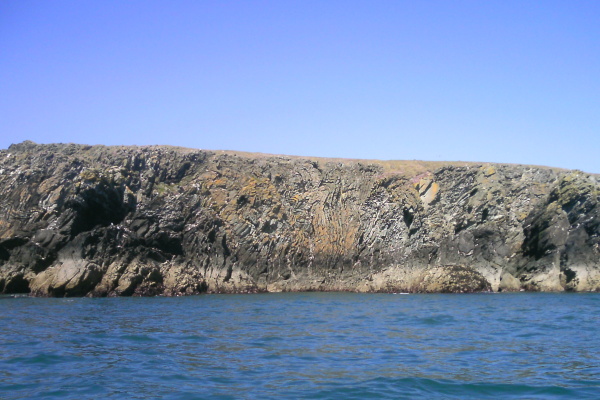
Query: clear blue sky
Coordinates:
[498,81]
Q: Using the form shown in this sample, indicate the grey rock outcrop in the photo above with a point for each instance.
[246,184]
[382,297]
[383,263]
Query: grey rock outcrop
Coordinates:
[80,220]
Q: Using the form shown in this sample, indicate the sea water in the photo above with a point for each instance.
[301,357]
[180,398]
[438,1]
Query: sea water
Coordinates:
[302,346]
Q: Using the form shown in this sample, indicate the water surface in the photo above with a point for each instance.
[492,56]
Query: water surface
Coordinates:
[302,345]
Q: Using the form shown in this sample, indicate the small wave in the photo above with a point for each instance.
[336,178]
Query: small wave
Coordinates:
[404,388]
[139,338]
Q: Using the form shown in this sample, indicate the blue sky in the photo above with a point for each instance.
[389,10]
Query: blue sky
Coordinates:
[496,81]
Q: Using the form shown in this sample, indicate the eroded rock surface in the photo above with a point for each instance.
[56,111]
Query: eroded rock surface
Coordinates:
[81,220]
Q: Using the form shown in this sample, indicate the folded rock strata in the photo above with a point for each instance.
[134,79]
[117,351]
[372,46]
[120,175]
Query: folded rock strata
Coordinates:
[80,220]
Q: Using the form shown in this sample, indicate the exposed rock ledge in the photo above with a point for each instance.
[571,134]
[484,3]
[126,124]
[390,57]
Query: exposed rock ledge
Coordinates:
[81,220]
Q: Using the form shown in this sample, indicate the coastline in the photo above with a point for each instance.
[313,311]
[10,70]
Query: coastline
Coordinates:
[78,220]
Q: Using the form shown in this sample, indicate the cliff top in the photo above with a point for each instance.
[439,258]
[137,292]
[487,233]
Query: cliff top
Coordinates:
[406,168]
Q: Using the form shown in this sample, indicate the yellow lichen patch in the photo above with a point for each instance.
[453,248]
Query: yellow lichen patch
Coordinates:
[259,191]
[335,228]
[403,192]
[421,183]
[219,199]
[488,170]
[296,198]
[219,182]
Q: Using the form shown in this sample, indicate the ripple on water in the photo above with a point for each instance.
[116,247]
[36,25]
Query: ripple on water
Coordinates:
[302,345]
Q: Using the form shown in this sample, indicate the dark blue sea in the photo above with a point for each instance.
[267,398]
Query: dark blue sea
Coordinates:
[302,346]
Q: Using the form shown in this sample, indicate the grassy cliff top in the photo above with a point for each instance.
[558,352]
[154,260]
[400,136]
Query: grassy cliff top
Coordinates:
[397,167]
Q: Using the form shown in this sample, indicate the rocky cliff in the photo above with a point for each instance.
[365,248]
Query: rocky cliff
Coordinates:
[81,220]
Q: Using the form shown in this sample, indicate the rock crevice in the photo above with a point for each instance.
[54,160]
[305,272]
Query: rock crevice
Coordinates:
[80,220]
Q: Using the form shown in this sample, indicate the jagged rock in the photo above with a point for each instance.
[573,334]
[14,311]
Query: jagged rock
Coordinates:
[69,278]
[451,279]
[81,220]
[508,283]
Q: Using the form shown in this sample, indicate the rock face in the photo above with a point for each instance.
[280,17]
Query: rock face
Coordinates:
[81,220]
